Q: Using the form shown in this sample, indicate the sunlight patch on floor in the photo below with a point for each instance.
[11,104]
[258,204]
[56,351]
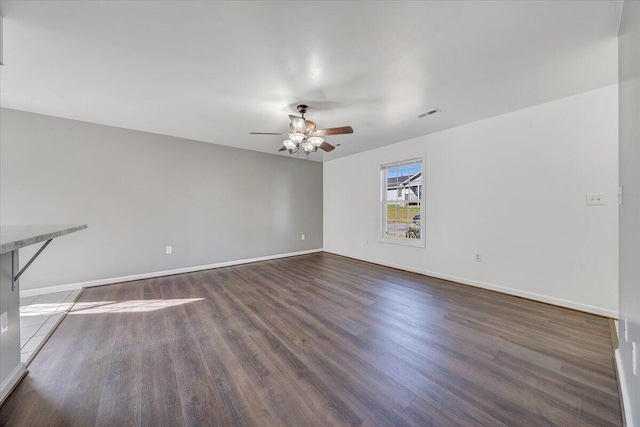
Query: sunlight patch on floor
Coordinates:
[133,306]
[45,309]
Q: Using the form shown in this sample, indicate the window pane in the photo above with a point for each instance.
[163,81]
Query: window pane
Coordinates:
[392,184]
[394,227]
[414,221]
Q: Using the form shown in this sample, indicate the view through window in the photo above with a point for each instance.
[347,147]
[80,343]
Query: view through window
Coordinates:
[402,199]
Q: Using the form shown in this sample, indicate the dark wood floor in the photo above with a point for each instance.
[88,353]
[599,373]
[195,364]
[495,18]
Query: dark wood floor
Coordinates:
[317,340]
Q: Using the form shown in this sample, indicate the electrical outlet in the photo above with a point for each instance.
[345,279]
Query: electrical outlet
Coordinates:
[634,358]
[478,258]
[595,199]
[302,237]
[169,249]
[4,323]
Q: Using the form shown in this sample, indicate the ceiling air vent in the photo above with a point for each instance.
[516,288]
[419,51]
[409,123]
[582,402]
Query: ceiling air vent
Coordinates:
[429,113]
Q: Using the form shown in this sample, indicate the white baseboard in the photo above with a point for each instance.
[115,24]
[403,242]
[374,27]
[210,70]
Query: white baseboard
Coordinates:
[10,382]
[502,289]
[510,291]
[623,390]
[110,281]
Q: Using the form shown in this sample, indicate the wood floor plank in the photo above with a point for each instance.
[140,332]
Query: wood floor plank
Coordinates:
[317,340]
[121,392]
[160,399]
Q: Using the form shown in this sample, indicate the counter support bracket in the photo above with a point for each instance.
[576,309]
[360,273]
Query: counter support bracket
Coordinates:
[17,276]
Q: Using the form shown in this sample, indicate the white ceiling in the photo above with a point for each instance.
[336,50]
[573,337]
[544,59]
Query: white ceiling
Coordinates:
[215,71]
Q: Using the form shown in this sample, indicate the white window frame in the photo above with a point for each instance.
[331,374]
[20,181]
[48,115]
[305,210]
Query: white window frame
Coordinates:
[384,202]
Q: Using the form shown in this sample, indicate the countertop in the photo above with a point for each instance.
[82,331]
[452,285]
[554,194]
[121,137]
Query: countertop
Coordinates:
[14,237]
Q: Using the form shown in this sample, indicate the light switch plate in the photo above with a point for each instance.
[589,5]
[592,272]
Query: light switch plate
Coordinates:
[4,323]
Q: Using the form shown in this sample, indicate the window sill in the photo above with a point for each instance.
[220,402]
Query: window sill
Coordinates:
[404,242]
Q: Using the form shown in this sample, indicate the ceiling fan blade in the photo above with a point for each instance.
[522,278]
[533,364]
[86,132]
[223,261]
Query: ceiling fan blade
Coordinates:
[298,123]
[310,126]
[267,133]
[333,131]
[283,149]
[326,146]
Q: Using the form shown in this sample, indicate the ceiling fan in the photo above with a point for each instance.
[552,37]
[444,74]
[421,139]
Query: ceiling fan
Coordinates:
[305,135]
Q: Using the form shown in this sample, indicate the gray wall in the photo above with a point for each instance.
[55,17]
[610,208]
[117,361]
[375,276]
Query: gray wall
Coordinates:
[140,192]
[10,340]
[629,110]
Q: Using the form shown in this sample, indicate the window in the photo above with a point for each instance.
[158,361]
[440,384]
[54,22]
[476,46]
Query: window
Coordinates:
[402,202]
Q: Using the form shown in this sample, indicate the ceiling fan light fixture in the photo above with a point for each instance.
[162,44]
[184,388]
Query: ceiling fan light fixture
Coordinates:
[296,137]
[316,141]
[311,126]
[305,135]
[308,147]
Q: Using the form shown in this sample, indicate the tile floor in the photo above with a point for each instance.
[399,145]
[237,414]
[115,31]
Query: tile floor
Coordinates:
[38,316]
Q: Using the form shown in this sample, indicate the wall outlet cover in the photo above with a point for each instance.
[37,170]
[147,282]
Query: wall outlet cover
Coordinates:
[169,249]
[625,330]
[595,199]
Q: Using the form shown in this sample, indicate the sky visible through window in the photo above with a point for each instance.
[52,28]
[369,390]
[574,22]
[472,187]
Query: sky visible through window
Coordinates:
[404,170]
